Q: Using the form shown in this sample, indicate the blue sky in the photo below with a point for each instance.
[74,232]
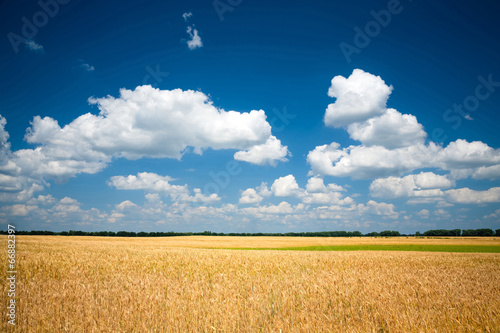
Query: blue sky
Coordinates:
[249,116]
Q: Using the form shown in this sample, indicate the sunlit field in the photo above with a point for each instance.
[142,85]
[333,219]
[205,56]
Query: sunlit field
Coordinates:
[198,284]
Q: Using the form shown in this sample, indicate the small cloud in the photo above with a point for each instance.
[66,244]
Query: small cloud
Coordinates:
[87,67]
[195,41]
[187,15]
[468,117]
[33,46]
[82,65]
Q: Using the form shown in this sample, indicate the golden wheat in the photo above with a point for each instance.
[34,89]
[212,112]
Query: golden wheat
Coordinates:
[93,284]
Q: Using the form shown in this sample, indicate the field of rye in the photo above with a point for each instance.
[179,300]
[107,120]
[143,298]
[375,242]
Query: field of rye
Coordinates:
[98,284]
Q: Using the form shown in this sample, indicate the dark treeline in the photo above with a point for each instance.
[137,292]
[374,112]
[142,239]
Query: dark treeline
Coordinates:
[386,233]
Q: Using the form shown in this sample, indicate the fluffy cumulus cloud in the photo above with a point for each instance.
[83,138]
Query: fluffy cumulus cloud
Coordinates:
[286,187]
[381,209]
[392,150]
[468,196]
[392,143]
[423,184]
[391,130]
[250,196]
[47,212]
[361,162]
[317,184]
[269,152]
[315,193]
[490,172]
[359,97]
[145,122]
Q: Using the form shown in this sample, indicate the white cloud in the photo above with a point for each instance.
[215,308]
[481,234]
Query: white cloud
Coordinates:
[153,182]
[419,185]
[468,196]
[195,41]
[282,208]
[263,190]
[491,172]
[392,143]
[87,67]
[391,130]
[124,205]
[250,196]
[461,154]
[359,97]
[187,15]
[494,215]
[269,152]
[380,209]
[424,213]
[145,122]
[360,162]
[316,184]
[429,180]
[442,214]
[315,193]
[327,198]
[18,210]
[42,200]
[33,46]
[286,187]
[68,201]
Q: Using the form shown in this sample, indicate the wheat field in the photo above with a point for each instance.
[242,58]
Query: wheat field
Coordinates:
[98,284]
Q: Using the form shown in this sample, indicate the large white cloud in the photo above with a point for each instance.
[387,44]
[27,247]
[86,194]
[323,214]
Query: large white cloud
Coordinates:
[392,143]
[361,162]
[145,122]
[490,172]
[154,123]
[468,196]
[391,130]
[423,184]
[461,154]
[359,97]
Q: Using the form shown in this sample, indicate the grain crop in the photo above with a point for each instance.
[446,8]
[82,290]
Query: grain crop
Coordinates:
[182,284]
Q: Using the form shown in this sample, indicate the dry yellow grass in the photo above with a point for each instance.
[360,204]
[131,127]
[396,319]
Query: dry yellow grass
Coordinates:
[91,284]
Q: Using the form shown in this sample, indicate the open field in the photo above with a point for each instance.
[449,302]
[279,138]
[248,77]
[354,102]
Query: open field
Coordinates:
[98,284]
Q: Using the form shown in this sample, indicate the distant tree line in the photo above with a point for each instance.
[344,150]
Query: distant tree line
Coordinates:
[463,233]
[386,233]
